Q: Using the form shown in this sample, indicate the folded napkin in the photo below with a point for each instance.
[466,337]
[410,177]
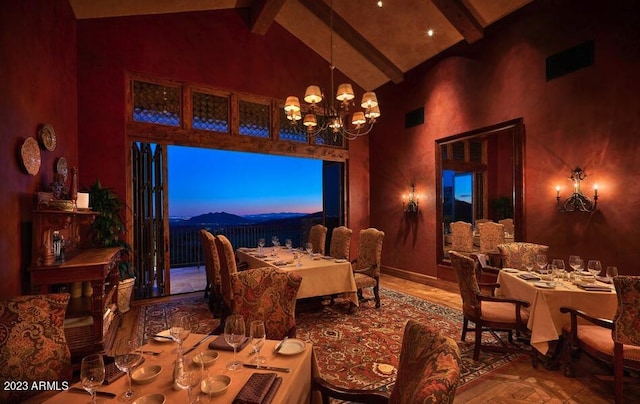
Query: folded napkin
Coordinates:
[604,279]
[529,277]
[220,344]
[593,288]
[259,389]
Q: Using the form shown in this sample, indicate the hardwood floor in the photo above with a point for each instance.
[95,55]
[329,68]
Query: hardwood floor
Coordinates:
[517,382]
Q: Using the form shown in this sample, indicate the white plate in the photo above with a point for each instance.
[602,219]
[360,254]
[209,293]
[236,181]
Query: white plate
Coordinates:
[155,398]
[340,260]
[510,270]
[545,285]
[215,385]
[292,346]
[164,333]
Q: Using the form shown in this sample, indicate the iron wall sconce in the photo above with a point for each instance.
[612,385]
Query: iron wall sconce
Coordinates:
[410,202]
[577,202]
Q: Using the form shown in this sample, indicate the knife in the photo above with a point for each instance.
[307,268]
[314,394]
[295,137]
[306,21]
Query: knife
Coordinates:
[98,393]
[279,346]
[261,367]
[163,336]
[198,343]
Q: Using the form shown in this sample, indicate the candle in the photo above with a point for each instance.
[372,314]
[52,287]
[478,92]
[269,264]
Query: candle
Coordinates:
[595,189]
[557,191]
[83,200]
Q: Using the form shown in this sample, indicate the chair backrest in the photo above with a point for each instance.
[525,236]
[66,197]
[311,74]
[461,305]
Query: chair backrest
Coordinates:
[515,255]
[227,268]
[267,294]
[491,234]
[211,258]
[370,251]
[340,242]
[508,225]
[318,238]
[465,270]
[461,236]
[429,367]
[33,343]
[626,329]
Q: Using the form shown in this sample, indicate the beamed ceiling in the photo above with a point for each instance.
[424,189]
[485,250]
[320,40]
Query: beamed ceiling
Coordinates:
[372,45]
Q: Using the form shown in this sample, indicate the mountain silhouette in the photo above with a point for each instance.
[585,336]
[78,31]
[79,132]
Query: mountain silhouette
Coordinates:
[219,218]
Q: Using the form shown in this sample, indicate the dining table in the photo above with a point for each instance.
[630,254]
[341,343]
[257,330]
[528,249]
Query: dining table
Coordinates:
[546,297]
[294,388]
[321,275]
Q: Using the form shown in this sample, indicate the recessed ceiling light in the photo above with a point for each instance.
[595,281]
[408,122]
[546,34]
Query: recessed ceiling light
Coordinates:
[380,3]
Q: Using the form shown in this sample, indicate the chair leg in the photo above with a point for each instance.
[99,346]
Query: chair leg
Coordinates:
[618,371]
[377,296]
[465,324]
[478,342]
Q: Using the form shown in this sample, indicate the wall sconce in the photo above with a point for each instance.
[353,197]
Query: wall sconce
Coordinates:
[577,202]
[410,202]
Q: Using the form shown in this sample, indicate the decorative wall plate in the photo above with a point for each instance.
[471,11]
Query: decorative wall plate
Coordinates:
[48,137]
[30,154]
[61,167]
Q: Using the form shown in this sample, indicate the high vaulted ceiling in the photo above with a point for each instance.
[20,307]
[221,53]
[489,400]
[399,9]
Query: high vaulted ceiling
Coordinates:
[372,45]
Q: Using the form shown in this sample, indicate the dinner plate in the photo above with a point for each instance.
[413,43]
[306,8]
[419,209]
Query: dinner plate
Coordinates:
[340,260]
[155,398]
[510,270]
[545,285]
[165,333]
[292,346]
[30,154]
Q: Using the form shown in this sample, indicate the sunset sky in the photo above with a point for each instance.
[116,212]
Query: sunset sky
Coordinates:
[207,180]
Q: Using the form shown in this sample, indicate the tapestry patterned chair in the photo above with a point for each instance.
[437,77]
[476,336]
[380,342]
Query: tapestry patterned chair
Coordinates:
[228,267]
[366,268]
[428,372]
[515,255]
[461,237]
[267,294]
[340,242]
[318,238]
[33,346]
[508,225]
[213,290]
[616,342]
[491,234]
[488,313]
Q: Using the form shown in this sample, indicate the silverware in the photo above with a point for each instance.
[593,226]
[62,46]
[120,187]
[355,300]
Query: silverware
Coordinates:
[154,353]
[279,346]
[198,344]
[163,336]
[274,368]
[98,393]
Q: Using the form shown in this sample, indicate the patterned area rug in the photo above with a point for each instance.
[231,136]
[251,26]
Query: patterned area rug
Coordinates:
[349,347]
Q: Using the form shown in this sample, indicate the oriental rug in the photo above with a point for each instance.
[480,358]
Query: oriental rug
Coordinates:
[349,348]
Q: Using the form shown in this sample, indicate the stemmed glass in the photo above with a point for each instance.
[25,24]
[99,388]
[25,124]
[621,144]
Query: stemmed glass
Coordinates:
[234,334]
[541,261]
[529,262]
[309,248]
[92,374]
[288,243]
[258,336]
[575,262]
[261,243]
[594,267]
[612,272]
[179,328]
[190,377]
[560,269]
[126,359]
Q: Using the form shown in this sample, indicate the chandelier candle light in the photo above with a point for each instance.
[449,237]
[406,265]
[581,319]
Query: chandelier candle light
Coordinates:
[578,202]
[319,119]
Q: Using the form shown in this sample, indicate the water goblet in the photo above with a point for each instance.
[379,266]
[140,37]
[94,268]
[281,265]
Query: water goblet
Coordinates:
[529,262]
[126,358]
[288,243]
[594,267]
[258,336]
[541,261]
[574,262]
[309,248]
[261,243]
[612,272]
[92,374]
[234,334]
[190,377]
[560,269]
[180,327]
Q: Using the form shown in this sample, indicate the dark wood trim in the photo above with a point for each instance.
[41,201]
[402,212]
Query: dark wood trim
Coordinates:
[461,18]
[263,14]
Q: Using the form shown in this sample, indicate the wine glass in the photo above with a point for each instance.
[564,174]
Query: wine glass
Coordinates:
[180,327]
[261,243]
[612,272]
[126,358]
[560,269]
[92,374]
[258,336]
[529,262]
[309,248]
[288,243]
[594,267]
[234,334]
[190,377]
[541,261]
[574,262]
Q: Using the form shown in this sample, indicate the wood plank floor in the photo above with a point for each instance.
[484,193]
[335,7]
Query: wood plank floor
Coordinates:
[518,382]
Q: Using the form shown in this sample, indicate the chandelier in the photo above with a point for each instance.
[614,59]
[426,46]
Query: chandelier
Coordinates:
[321,115]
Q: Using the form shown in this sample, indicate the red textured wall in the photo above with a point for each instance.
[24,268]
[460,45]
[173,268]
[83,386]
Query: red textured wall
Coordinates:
[38,85]
[589,118]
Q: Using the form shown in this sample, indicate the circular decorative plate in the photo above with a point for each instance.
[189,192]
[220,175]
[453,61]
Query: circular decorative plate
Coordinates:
[61,167]
[48,137]
[30,154]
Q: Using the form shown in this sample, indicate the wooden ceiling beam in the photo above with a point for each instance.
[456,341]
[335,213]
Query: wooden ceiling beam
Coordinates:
[341,27]
[263,14]
[461,18]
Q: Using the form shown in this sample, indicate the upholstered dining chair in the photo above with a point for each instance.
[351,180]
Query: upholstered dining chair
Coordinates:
[616,341]
[508,225]
[516,254]
[33,347]
[267,294]
[318,238]
[461,237]
[213,289]
[228,267]
[366,268]
[488,313]
[428,372]
[491,234]
[340,242]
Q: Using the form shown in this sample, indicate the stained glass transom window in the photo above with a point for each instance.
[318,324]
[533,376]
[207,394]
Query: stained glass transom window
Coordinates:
[292,133]
[154,103]
[328,137]
[210,112]
[254,119]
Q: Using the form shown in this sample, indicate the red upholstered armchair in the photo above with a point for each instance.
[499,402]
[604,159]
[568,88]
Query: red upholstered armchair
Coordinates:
[428,371]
